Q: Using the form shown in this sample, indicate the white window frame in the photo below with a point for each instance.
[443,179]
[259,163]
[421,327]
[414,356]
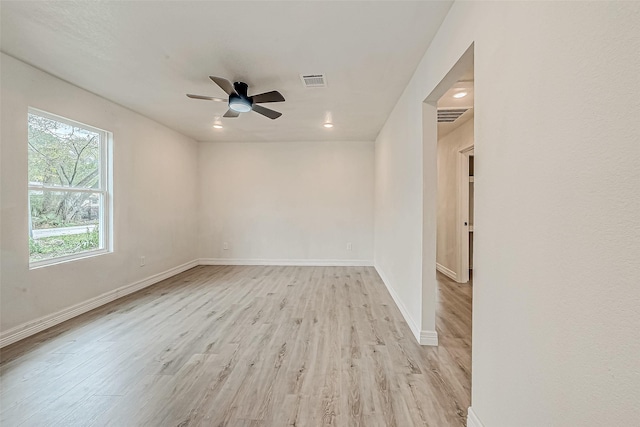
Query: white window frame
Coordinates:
[104,190]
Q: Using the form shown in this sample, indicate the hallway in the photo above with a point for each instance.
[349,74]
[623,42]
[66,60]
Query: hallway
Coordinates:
[453,323]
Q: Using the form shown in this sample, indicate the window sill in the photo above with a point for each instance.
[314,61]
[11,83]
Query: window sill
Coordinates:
[67,258]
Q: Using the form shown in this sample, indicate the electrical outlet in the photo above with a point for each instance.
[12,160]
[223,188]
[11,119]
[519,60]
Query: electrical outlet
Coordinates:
[349,246]
[225,246]
[142,261]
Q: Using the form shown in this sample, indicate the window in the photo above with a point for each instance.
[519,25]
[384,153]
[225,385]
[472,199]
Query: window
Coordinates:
[68,189]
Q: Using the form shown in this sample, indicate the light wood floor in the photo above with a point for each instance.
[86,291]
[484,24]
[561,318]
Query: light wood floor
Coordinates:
[245,346]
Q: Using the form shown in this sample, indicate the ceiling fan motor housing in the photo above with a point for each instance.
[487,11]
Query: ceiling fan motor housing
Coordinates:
[239,101]
[241,88]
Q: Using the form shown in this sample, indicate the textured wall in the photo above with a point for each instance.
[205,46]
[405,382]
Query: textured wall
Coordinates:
[299,201]
[154,204]
[556,295]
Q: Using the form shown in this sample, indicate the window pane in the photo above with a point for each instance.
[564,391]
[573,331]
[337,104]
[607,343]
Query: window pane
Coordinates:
[63,223]
[62,155]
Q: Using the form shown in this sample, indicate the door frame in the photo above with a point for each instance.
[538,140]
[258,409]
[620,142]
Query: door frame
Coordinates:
[463,213]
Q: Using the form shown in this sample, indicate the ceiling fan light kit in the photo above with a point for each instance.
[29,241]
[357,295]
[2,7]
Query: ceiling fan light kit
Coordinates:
[240,102]
[240,105]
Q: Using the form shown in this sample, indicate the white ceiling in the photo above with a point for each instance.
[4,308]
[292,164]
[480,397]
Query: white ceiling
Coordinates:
[146,55]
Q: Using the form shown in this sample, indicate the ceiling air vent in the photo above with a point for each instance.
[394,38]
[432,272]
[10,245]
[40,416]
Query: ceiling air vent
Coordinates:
[450,115]
[313,80]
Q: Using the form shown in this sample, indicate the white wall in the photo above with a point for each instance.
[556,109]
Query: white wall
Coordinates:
[154,198]
[398,210]
[449,147]
[287,201]
[556,297]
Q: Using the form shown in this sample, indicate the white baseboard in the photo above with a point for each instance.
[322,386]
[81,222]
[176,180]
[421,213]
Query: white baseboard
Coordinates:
[422,337]
[33,327]
[444,270]
[286,262]
[472,419]
[429,338]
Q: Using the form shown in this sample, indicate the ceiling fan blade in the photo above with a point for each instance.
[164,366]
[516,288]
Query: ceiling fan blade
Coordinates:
[231,113]
[224,84]
[266,112]
[273,96]
[208,98]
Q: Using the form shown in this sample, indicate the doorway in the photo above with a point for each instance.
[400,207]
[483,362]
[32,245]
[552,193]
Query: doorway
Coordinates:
[456,170]
[465,208]
[455,180]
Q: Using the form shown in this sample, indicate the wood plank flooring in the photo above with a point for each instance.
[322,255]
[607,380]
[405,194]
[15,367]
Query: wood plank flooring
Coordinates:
[249,346]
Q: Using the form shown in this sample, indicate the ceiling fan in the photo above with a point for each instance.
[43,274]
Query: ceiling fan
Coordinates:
[240,102]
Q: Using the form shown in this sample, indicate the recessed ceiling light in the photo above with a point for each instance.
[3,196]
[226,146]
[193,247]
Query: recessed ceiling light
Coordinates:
[217,126]
[460,95]
[328,125]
